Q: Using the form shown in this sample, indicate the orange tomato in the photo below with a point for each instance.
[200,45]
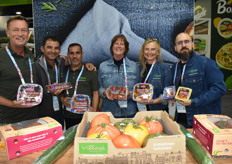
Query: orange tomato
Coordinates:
[107,129]
[125,141]
[152,125]
[101,118]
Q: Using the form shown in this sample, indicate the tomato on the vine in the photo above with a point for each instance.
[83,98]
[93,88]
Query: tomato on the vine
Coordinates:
[108,129]
[152,125]
[139,132]
[121,125]
[101,118]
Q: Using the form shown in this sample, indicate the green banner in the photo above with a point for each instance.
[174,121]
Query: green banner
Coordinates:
[14,2]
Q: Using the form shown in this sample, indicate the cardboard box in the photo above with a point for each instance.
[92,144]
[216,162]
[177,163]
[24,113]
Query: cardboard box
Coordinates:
[166,149]
[213,137]
[25,137]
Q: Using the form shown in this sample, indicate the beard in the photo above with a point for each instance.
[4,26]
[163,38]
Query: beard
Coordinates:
[185,55]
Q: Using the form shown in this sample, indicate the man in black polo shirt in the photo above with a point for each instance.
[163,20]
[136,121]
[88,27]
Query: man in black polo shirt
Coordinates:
[12,111]
[83,82]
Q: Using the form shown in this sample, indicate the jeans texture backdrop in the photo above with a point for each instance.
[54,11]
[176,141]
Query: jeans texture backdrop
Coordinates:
[150,18]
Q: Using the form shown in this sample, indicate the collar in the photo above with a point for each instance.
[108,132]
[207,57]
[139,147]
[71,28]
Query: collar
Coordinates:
[27,52]
[111,61]
[79,69]
[41,60]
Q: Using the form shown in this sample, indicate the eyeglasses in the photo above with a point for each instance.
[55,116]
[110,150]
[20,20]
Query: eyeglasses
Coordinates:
[183,41]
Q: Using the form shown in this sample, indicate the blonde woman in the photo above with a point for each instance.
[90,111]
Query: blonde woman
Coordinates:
[154,72]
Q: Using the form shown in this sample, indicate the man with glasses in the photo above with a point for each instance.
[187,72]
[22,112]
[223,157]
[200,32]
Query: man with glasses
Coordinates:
[202,76]
[15,62]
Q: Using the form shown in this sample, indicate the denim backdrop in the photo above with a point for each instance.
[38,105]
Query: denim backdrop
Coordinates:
[135,18]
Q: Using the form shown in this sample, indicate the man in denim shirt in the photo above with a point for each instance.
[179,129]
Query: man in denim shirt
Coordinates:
[112,73]
[202,76]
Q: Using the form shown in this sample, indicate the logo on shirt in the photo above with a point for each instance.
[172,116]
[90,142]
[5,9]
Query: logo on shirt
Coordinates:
[83,78]
[193,70]
[157,76]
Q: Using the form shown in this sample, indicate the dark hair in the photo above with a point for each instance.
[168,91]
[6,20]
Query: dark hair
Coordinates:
[53,38]
[74,44]
[125,42]
[18,17]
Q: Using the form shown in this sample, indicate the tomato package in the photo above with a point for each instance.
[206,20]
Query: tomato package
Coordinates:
[117,92]
[142,92]
[183,93]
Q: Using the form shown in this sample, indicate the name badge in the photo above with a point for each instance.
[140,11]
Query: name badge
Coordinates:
[141,107]
[172,109]
[122,104]
[180,108]
[56,105]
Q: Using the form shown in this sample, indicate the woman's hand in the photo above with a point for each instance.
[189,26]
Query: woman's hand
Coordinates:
[106,93]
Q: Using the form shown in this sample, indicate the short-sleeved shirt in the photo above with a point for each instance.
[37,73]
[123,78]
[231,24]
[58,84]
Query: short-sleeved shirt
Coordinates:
[87,84]
[10,82]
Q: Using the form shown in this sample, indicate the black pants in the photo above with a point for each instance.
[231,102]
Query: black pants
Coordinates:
[182,119]
[71,122]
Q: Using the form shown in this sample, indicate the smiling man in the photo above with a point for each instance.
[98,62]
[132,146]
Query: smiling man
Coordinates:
[48,69]
[83,82]
[13,61]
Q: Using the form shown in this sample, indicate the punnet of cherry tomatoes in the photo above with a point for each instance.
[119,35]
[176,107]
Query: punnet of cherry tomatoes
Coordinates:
[126,133]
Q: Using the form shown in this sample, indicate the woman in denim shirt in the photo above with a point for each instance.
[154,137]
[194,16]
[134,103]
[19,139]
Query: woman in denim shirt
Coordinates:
[160,75]
[112,73]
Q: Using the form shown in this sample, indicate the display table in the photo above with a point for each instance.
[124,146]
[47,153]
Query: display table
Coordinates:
[67,158]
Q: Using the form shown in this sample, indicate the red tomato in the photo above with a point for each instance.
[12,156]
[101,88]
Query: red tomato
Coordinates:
[125,141]
[107,129]
[152,125]
[101,118]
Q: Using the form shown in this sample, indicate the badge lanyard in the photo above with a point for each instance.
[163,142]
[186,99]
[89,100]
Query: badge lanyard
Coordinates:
[55,100]
[56,70]
[77,80]
[125,74]
[176,105]
[17,67]
[123,103]
[149,71]
[142,107]
[182,75]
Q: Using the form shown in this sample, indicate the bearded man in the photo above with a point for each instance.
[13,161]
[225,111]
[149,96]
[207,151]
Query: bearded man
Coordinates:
[202,75]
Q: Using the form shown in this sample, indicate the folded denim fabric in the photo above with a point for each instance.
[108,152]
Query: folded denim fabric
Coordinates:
[96,29]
